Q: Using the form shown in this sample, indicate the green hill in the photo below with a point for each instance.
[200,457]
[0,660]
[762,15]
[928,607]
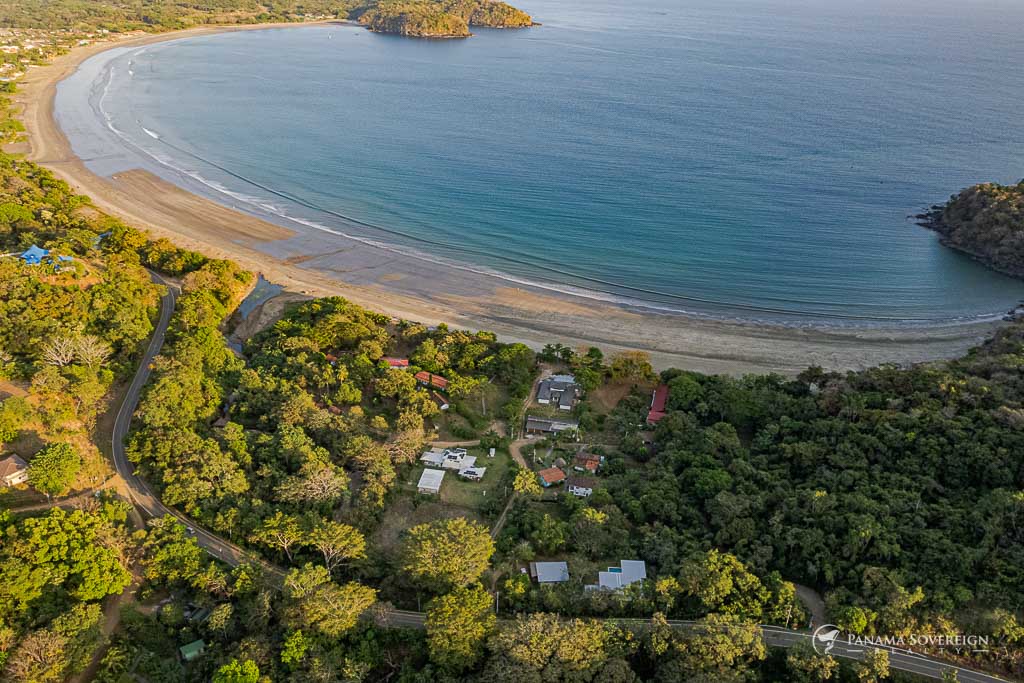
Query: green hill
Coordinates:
[987,222]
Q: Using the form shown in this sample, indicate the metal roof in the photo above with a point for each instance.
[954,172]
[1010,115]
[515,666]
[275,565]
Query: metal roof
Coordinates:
[431,480]
[550,572]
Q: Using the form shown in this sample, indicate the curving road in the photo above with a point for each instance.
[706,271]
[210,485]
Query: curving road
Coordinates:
[141,494]
[144,498]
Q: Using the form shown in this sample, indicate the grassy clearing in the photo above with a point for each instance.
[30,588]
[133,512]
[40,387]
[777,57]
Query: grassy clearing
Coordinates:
[458,498]
[474,494]
[604,399]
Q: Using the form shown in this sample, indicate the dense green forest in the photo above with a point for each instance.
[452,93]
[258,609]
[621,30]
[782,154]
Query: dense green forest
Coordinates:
[413,18]
[987,222]
[54,571]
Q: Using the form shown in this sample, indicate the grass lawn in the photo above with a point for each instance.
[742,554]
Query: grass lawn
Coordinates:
[458,498]
[549,411]
[472,494]
[604,399]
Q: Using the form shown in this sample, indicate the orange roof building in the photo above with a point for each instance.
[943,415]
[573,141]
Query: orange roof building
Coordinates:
[428,379]
[551,476]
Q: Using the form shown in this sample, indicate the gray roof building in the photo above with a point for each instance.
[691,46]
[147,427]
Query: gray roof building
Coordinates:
[543,425]
[549,572]
[559,390]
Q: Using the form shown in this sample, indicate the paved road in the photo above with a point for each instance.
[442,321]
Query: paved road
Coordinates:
[776,636]
[141,494]
[143,497]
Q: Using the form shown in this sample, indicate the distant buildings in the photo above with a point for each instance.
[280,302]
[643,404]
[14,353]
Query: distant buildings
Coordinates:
[586,462]
[559,390]
[659,401]
[437,461]
[34,255]
[192,650]
[430,481]
[473,473]
[449,459]
[549,572]
[431,380]
[617,578]
[13,471]
[582,487]
[550,476]
[546,426]
[439,400]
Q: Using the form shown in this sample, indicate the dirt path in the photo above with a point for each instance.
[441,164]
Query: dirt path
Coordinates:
[515,449]
[111,622]
[10,389]
[813,603]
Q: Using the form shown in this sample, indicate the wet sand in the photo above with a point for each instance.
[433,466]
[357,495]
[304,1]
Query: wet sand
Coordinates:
[318,264]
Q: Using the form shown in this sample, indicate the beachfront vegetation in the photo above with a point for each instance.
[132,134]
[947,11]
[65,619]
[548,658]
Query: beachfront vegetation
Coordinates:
[422,18]
[987,222]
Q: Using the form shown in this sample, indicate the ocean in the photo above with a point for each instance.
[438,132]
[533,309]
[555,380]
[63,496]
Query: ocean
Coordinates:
[742,159]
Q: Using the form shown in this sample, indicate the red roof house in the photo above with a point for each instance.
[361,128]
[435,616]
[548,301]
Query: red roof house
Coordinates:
[430,380]
[397,362]
[658,403]
[586,462]
[551,476]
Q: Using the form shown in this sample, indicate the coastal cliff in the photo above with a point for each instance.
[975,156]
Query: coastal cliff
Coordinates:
[985,221]
[439,19]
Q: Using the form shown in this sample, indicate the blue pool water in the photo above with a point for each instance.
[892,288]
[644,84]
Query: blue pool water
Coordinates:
[742,158]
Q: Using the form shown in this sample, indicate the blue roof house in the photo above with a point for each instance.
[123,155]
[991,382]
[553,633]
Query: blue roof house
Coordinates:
[34,255]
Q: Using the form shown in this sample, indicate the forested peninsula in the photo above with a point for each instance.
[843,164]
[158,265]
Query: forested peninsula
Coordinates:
[985,221]
[415,18]
[446,19]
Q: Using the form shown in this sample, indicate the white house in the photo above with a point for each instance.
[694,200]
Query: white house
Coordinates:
[13,471]
[430,481]
[473,473]
[449,459]
[617,578]
[582,487]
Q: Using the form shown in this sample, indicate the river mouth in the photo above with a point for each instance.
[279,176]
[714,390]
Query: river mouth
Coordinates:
[563,218]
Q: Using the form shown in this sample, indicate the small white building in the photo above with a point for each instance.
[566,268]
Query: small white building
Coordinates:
[449,459]
[13,471]
[617,578]
[582,487]
[430,481]
[473,473]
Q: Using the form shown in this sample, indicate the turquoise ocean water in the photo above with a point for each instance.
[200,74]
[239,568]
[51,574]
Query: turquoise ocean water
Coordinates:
[752,159]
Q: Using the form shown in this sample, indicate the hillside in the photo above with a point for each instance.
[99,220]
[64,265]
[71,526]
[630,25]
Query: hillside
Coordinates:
[418,18]
[987,222]
[432,19]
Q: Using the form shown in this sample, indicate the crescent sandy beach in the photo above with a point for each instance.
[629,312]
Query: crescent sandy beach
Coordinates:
[404,286]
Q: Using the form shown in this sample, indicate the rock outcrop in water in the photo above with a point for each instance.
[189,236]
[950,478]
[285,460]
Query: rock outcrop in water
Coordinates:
[439,18]
[985,221]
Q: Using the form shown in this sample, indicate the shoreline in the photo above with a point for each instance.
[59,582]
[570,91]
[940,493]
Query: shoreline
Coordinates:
[527,314]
